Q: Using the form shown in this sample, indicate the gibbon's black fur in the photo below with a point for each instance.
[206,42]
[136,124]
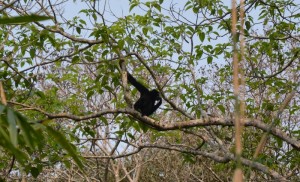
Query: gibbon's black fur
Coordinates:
[146,103]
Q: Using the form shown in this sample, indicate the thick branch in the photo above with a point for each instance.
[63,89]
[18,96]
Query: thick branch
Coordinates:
[210,121]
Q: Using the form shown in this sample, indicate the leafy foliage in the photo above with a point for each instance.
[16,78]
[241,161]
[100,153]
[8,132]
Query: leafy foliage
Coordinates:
[67,103]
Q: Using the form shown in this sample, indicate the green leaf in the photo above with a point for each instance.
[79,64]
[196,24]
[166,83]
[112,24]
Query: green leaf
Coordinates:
[6,144]
[2,108]
[121,44]
[90,94]
[104,120]
[94,16]
[4,135]
[248,25]
[75,59]
[32,53]
[23,19]
[104,53]
[157,6]
[202,36]
[29,134]
[34,171]
[130,135]
[133,5]
[78,30]
[60,139]
[144,127]
[12,127]
[222,108]
[145,31]
[209,59]
[82,22]
[67,163]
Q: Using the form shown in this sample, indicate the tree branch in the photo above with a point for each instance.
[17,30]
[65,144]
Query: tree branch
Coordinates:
[163,126]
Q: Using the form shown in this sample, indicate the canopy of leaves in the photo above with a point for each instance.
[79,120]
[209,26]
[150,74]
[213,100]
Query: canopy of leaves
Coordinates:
[69,109]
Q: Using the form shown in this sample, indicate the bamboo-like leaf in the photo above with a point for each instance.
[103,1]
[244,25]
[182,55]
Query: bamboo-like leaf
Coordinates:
[12,128]
[23,19]
[59,138]
[29,134]
[2,108]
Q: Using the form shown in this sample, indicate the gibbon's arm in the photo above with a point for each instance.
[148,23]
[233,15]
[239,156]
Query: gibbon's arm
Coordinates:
[136,84]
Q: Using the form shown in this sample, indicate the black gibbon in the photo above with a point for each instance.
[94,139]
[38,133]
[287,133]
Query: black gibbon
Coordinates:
[146,103]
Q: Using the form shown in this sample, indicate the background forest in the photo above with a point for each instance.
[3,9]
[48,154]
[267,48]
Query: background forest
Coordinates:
[66,107]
